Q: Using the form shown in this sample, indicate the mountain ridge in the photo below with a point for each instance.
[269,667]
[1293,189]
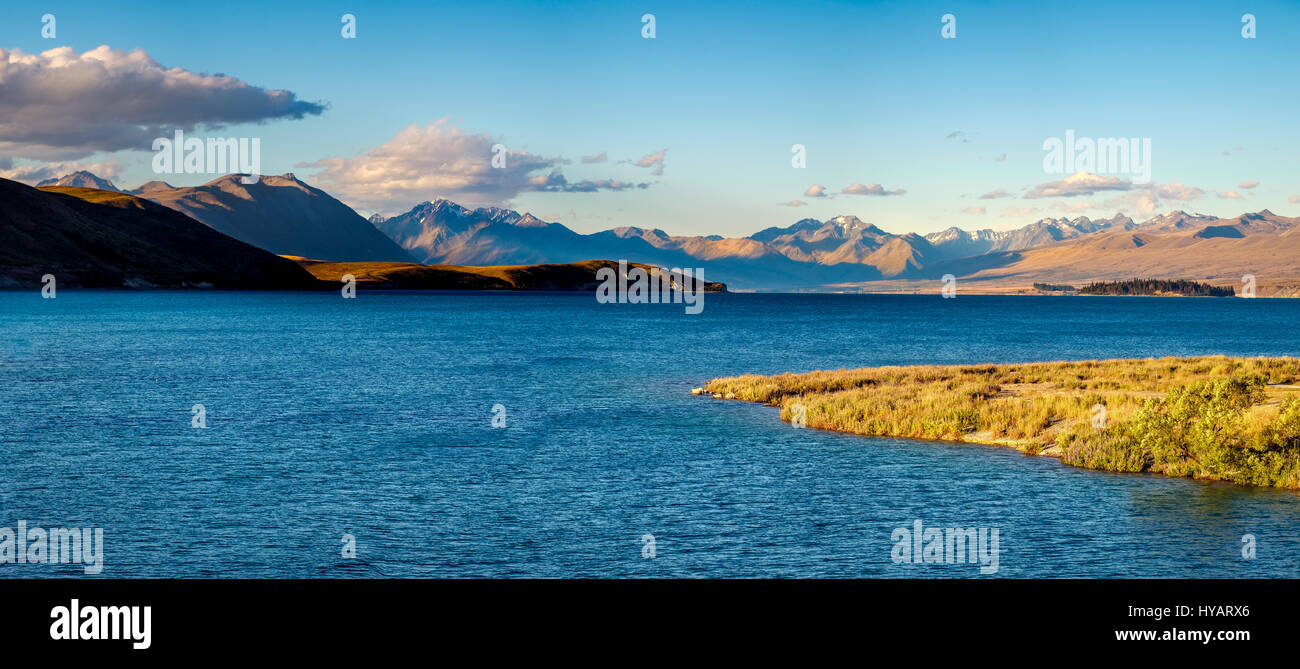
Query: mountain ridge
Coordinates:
[280,214]
[807,254]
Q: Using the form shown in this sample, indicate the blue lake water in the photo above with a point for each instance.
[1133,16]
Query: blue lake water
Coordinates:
[374,416]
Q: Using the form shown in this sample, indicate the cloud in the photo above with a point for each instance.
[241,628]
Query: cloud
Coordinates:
[1137,199]
[1080,183]
[995,194]
[439,160]
[815,190]
[958,135]
[1248,184]
[1001,159]
[975,211]
[1230,195]
[1228,152]
[1175,191]
[655,160]
[37,172]
[1147,199]
[792,203]
[1018,211]
[599,158]
[556,183]
[61,105]
[1294,199]
[870,189]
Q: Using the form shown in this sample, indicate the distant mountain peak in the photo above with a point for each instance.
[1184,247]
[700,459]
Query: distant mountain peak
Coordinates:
[81,179]
[798,226]
[154,186]
[1178,219]
[530,221]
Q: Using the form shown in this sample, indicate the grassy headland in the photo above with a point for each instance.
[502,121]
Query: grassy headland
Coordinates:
[574,276]
[1218,418]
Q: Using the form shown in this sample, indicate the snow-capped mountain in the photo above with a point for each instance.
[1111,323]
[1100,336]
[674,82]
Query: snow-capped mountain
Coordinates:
[958,243]
[81,179]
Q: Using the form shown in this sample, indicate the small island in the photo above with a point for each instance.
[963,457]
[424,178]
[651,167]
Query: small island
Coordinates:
[1216,418]
[1163,287]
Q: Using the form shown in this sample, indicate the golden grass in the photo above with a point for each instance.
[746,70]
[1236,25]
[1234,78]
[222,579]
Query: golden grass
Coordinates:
[362,271]
[1040,408]
[93,195]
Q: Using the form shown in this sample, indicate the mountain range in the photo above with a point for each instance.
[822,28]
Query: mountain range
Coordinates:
[1172,245]
[278,213]
[846,252]
[957,243]
[286,216]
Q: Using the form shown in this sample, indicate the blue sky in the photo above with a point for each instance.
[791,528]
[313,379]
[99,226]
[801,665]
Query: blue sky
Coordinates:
[872,90]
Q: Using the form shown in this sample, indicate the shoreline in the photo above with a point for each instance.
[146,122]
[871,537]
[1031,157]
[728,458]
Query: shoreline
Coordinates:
[1217,418]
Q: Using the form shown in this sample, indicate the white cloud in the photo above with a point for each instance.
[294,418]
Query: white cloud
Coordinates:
[1248,184]
[792,203]
[439,160]
[870,189]
[974,211]
[815,190]
[1230,195]
[995,194]
[1139,199]
[61,105]
[1176,191]
[1150,199]
[1080,183]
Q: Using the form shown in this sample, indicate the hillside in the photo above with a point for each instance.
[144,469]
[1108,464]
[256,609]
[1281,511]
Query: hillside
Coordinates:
[280,214]
[1262,244]
[100,239]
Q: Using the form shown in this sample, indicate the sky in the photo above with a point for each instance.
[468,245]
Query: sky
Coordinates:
[690,131]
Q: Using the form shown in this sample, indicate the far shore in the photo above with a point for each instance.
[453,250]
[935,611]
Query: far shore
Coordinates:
[1280,287]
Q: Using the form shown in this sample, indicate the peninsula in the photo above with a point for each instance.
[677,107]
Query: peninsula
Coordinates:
[1215,418]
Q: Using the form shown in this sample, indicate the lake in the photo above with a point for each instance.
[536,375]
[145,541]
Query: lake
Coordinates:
[374,417]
